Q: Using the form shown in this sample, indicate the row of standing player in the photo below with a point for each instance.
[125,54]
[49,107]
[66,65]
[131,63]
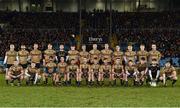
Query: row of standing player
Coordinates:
[111,64]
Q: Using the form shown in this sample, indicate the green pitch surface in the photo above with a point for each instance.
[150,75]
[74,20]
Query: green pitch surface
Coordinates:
[36,96]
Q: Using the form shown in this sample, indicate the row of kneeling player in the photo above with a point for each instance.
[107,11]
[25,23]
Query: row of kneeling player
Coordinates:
[64,73]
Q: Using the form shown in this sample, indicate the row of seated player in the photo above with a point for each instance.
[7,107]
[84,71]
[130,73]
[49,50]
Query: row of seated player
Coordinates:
[63,73]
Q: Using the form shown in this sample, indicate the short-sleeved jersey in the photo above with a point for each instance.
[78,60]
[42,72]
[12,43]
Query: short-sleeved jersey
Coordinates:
[84,54]
[94,55]
[130,55]
[95,67]
[118,55]
[118,68]
[141,67]
[23,56]
[35,56]
[48,53]
[131,69]
[72,68]
[84,67]
[11,56]
[32,70]
[61,54]
[168,70]
[16,70]
[141,54]
[106,54]
[62,66]
[51,67]
[73,54]
[105,68]
[154,55]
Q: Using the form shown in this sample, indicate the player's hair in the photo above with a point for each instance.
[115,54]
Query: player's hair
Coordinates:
[154,59]
[143,59]
[130,61]
[142,44]
[51,57]
[49,44]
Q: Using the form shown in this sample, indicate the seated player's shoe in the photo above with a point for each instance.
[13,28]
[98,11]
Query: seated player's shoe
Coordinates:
[12,84]
[7,82]
[18,84]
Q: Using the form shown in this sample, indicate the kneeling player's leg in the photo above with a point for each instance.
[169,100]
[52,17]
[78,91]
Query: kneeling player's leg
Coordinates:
[174,78]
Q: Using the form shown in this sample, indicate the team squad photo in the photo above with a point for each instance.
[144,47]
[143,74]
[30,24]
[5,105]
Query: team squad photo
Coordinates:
[94,66]
[89,53]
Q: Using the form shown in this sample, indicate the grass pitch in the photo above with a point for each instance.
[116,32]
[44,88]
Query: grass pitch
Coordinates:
[44,96]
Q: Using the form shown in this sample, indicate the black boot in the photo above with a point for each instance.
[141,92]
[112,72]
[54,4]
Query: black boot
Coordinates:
[46,80]
[174,81]
[78,83]
[69,82]
[87,82]
[126,84]
[7,82]
[122,82]
[110,83]
[98,83]
[114,83]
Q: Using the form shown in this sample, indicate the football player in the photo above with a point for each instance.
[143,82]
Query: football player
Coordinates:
[15,72]
[168,73]
[154,54]
[9,59]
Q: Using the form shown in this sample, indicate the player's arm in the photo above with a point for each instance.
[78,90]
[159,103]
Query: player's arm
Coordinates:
[80,67]
[159,56]
[17,56]
[28,59]
[136,71]
[158,73]
[135,56]
[150,73]
[125,57]
[5,59]
[110,69]
[113,68]
[26,72]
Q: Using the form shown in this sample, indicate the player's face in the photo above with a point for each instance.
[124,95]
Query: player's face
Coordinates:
[72,61]
[12,47]
[153,47]
[95,62]
[72,47]
[130,63]
[62,59]
[117,48]
[117,61]
[142,61]
[84,48]
[61,47]
[51,59]
[154,62]
[130,48]
[49,46]
[105,62]
[35,46]
[23,47]
[33,65]
[16,63]
[106,46]
[142,47]
[84,60]
[94,46]
[168,64]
